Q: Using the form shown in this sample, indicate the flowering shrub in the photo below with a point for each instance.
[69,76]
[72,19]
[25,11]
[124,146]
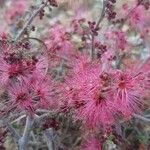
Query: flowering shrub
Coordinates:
[76,81]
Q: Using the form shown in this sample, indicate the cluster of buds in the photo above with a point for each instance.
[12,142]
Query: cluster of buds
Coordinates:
[77,23]
[118,21]
[94,29]
[145,3]
[18,64]
[41,14]
[51,123]
[53,3]
[111,14]
[102,48]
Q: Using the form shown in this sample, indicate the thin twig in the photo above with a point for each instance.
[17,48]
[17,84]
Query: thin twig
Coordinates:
[102,13]
[18,119]
[23,141]
[97,25]
[46,48]
[49,139]
[42,111]
[39,119]
[11,129]
[38,40]
[141,118]
[30,21]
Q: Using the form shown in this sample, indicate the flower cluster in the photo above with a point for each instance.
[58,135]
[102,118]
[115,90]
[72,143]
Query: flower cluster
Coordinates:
[24,75]
[99,96]
[96,74]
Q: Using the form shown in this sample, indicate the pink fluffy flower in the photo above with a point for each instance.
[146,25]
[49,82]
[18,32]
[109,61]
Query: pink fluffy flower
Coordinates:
[8,71]
[33,93]
[97,111]
[128,89]
[41,66]
[43,91]
[20,96]
[140,18]
[59,42]
[14,66]
[89,94]
[80,62]
[117,39]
